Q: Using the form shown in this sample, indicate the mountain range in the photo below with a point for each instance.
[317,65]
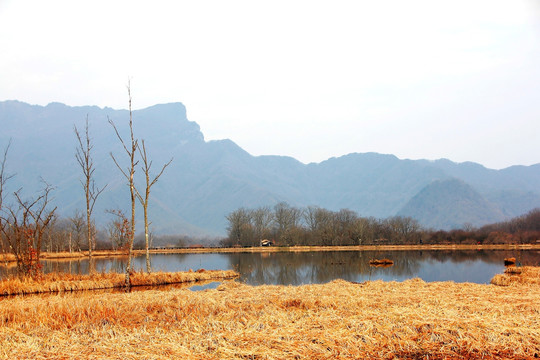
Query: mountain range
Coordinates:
[209,179]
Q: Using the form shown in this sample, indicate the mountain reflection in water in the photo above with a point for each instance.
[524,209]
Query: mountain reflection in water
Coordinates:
[296,268]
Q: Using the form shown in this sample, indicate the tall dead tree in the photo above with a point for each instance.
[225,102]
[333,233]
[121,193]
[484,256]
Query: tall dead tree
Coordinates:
[129,174]
[146,166]
[84,158]
[3,180]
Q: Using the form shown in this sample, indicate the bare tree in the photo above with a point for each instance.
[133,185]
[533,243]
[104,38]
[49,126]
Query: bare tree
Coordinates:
[261,219]
[76,226]
[3,180]
[286,222]
[129,174]
[84,158]
[26,225]
[311,217]
[240,230]
[118,229]
[146,166]
[59,235]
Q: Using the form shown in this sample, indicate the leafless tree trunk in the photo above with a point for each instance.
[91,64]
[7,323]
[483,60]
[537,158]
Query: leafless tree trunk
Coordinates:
[84,158]
[3,180]
[129,174]
[144,201]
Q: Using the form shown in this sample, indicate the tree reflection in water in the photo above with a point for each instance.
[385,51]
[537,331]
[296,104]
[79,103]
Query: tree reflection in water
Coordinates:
[295,268]
[321,267]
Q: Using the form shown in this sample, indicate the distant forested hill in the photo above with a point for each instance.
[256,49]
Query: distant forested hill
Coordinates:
[450,204]
[209,179]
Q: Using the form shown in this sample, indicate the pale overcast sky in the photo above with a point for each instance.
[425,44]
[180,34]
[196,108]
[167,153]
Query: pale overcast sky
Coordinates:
[309,79]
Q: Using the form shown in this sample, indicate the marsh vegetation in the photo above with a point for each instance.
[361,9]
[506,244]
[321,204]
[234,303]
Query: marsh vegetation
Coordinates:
[339,320]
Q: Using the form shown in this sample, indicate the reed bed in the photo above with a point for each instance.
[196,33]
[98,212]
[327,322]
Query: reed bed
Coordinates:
[61,282]
[381,262]
[339,320]
[82,254]
[526,275]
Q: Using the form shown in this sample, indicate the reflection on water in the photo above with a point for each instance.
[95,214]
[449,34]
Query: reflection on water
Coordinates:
[199,285]
[289,268]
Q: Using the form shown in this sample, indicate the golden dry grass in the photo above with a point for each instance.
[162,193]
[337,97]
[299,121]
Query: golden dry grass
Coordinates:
[83,254]
[56,282]
[526,275]
[381,262]
[338,320]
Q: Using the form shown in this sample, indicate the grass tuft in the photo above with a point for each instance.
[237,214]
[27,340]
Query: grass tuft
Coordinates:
[526,275]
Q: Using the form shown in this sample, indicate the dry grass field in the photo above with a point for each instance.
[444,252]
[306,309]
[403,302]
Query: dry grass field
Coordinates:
[339,320]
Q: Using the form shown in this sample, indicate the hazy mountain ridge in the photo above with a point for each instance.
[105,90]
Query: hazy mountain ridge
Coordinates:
[208,179]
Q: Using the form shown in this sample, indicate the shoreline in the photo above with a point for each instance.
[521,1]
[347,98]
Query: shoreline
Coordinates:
[6,258]
[65,283]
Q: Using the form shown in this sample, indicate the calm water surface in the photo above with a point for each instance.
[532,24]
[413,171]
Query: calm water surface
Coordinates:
[477,266]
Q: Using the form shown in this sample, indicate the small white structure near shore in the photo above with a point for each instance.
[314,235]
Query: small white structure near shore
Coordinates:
[267,242]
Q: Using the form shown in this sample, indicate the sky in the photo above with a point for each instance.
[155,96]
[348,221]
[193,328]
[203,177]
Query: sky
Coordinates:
[308,79]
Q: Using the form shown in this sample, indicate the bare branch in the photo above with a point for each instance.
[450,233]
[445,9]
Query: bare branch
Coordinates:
[119,167]
[3,176]
[118,135]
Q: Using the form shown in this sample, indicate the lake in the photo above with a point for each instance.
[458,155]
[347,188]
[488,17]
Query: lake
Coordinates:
[297,268]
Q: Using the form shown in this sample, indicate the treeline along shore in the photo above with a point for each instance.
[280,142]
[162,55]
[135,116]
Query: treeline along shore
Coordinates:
[285,225]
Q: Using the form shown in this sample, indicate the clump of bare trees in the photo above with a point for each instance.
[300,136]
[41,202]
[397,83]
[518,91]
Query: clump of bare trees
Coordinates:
[24,224]
[288,226]
[315,226]
[119,230]
[23,229]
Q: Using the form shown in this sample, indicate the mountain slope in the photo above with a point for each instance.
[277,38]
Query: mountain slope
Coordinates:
[209,179]
[448,204]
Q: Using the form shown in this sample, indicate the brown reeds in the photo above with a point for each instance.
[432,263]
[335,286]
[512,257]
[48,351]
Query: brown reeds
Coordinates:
[509,261]
[526,275]
[339,320]
[61,282]
[381,262]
